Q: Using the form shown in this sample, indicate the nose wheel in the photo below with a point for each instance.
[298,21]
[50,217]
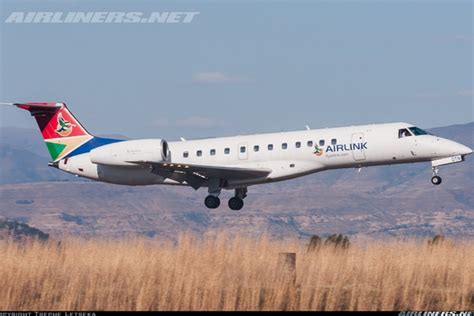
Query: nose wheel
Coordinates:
[436,180]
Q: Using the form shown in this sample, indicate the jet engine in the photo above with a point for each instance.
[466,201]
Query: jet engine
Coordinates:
[126,152]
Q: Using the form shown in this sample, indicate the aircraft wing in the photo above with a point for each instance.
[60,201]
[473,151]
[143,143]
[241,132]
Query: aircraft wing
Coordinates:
[196,175]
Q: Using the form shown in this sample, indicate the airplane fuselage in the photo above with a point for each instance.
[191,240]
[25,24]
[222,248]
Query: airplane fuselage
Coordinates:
[287,154]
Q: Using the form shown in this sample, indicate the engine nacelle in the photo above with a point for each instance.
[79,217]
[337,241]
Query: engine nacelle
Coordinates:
[121,153]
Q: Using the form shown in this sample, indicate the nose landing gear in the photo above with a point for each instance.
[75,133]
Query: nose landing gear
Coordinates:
[436,180]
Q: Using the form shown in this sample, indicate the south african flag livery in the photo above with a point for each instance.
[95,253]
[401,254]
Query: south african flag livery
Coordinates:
[63,134]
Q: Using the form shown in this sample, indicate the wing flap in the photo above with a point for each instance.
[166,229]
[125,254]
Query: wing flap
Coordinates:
[195,175]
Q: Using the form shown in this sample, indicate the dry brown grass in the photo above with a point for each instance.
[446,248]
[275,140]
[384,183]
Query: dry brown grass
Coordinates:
[234,273]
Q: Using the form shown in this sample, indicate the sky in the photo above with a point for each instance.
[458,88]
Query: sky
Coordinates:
[243,67]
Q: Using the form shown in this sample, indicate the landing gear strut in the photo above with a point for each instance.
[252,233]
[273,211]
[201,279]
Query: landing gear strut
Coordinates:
[212,200]
[436,180]
[237,202]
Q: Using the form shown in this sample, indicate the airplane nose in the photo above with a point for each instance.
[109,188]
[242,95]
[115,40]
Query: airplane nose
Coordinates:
[460,149]
[464,150]
[447,148]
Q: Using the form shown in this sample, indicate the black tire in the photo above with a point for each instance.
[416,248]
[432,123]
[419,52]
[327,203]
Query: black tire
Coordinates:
[212,201]
[236,203]
[436,180]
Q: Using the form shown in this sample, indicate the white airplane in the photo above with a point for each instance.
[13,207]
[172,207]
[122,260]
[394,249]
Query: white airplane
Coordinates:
[234,163]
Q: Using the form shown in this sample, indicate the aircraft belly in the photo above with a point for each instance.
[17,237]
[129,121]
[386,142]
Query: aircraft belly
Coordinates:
[79,165]
[128,176]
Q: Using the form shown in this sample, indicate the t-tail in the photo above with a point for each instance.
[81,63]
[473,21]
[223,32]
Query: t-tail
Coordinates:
[62,132]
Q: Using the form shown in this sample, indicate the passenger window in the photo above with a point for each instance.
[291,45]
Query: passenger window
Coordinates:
[242,149]
[333,141]
[256,148]
[213,152]
[270,146]
[298,144]
[199,153]
[186,154]
[310,143]
[227,151]
[403,133]
[284,146]
[321,142]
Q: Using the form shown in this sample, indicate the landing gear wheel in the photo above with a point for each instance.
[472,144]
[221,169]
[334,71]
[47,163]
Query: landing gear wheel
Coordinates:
[212,201]
[236,203]
[436,180]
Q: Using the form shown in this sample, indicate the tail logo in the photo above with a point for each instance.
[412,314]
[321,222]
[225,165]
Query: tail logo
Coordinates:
[64,128]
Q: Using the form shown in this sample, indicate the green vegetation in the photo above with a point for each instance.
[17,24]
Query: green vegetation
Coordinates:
[11,229]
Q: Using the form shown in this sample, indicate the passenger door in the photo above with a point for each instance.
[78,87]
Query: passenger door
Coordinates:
[358,151]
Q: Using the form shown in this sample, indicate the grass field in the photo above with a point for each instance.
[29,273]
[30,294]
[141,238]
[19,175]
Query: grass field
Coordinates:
[234,273]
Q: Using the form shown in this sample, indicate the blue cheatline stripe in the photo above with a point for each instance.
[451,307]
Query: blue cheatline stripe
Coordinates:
[91,144]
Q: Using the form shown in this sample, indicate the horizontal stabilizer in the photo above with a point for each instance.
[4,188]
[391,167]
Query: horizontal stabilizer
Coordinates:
[27,105]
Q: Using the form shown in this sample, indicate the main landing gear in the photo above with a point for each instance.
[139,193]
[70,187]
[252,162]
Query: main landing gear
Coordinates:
[436,180]
[212,201]
[237,202]
[214,188]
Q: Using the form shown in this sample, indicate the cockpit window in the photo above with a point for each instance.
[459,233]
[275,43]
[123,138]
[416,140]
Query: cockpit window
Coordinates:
[417,131]
[403,133]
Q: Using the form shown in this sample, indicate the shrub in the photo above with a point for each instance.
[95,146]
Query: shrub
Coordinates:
[314,243]
[18,231]
[337,241]
[437,240]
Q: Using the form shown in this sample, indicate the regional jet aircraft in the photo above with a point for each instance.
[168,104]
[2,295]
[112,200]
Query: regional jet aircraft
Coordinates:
[234,163]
